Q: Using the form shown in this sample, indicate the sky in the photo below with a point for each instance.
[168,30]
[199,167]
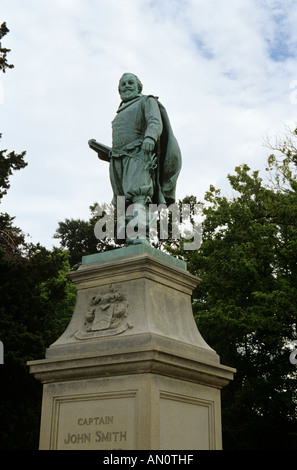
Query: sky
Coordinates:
[226,71]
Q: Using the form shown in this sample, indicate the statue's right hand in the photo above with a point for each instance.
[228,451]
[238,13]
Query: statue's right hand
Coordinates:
[148,145]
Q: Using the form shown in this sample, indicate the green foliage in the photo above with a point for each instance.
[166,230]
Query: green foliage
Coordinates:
[3,51]
[281,165]
[37,302]
[8,164]
[78,238]
[246,306]
[12,240]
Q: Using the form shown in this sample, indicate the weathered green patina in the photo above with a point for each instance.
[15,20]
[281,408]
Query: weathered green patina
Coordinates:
[145,158]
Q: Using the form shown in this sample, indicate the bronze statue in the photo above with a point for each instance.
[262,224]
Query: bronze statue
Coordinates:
[145,158]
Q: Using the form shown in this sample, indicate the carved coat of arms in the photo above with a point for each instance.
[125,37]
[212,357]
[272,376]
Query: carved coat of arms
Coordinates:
[106,315]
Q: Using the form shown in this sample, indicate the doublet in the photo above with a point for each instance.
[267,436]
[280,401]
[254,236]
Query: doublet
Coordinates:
[130,172]
[135,120]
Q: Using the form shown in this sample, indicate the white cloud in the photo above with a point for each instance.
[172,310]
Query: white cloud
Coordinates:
[222,69]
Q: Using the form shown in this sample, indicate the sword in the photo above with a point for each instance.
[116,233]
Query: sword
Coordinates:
[102,150]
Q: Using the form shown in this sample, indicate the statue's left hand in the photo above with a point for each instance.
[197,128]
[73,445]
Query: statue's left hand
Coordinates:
[148,146]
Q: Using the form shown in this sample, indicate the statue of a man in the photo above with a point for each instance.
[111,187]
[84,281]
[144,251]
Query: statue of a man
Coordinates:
[145,158]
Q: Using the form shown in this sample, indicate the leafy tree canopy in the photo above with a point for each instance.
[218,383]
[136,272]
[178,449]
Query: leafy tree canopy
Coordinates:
[3,51]
[246,306]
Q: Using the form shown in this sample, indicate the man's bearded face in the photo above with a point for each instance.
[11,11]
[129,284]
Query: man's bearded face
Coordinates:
[128,88]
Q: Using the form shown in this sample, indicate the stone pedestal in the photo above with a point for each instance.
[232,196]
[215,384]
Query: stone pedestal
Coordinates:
[131,371]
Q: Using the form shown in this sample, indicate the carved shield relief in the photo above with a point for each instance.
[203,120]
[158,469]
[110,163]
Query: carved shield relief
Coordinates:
[106,315]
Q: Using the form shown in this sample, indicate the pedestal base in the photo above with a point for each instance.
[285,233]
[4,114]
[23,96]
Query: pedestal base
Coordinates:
[142,411]
[131,371]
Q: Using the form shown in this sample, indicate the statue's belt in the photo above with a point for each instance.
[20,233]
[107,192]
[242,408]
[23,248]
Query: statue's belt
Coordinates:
[126,150]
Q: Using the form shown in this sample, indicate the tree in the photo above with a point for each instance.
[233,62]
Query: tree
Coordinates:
[246,307]
[37,301]
[282,163]
[11,237]
[8,164]
[78,238]
[3,51]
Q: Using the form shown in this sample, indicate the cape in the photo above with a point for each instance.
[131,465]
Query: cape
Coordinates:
[169,161]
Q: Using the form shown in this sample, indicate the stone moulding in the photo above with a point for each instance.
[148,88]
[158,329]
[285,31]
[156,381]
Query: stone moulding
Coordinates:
[134,267]
[141,362]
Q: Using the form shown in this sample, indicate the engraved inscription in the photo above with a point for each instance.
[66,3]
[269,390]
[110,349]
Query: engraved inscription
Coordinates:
[94,421]
[113,436]
[78,438]
[97,420]
[96,436]
[100,436]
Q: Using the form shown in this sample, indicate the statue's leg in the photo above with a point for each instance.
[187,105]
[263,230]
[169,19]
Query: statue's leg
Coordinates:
[138,188]
[116,178]
[116,168]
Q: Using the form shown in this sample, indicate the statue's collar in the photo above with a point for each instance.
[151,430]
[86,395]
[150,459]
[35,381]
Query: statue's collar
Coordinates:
[128,103]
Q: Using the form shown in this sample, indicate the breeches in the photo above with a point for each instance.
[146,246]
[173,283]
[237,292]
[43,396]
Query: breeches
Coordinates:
[130,178]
